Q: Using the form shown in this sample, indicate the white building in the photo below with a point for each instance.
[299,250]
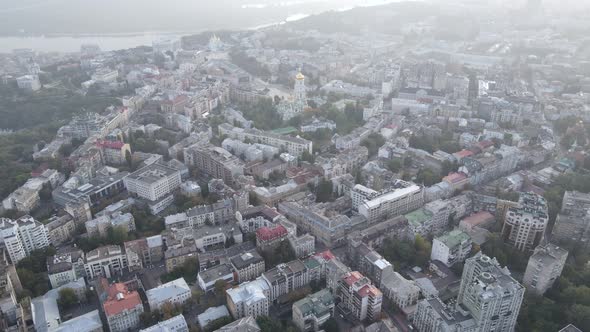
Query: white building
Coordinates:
[106,261]
[22,236]
[29,82]
[153,181]
[174,324]
[452,247]
[401,291]
[175,292]
[45,312]
[248,299]
[544,267]
[392,203]
[524,226]
[293,145]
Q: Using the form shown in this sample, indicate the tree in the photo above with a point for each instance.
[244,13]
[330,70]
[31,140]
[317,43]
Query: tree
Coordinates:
[428,177]
[218,323]
[220,286]
[67,297]
[268,324]
[331,325]
[129,159]
[394,165]
[324,191]
[373,143]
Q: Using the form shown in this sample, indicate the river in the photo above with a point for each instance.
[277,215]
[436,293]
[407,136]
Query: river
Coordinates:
[64,25]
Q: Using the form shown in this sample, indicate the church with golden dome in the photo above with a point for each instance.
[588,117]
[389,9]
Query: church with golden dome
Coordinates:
[297,104]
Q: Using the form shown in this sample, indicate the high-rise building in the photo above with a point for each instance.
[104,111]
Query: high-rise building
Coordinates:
[544,267]
[524,225]
[358,297]
[573,221]
[489,300]
[22,236]
[490,294]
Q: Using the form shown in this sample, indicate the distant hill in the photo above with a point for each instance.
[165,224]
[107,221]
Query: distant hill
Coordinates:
[391,19]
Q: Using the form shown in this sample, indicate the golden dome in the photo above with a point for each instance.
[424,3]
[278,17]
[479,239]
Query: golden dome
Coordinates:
[300,76]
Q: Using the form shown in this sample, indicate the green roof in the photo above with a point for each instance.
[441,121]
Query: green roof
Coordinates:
[311,263]
[418,217]
[285,130]
[453,238]
[317,303]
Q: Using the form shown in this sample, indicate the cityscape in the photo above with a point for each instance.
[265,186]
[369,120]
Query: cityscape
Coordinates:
[376,166]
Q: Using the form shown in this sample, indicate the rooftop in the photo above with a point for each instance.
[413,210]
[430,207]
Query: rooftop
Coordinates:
[246,259]
[167,290]
[317,304]
[454,238]
[152,173]
[216,272]
[120,299]
[418,217]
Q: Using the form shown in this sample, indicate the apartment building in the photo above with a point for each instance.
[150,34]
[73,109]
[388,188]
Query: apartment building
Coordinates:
[293,145]
[174,324]
[154,183]
[174,292]
[144,253]
[398,201]
[248,266]
[544,267]
[311,312]
[524,225]
[359,299]
[214,161]
[122,308]
[65,267]
[22,236]
[106,261]
[285,278]
[451,248]
[248,299]
[573,221]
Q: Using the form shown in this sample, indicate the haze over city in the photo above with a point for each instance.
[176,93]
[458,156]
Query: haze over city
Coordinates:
[294,165]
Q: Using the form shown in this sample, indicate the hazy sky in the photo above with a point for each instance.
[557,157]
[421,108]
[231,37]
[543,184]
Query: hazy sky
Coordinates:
[122,16]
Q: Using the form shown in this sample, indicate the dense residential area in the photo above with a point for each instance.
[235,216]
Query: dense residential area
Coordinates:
[334,173]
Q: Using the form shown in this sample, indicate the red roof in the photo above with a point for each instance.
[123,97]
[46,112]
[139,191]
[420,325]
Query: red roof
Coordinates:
[120,299]
[463,153]
[326,255]
[479,218]
[455,177]
[352,277]
[267,233]
[110,144]
[369,290]
[485,144]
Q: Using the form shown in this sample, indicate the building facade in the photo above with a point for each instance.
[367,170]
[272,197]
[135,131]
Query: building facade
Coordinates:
[361,300]
[22,236]
[544,267]
[524,225]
